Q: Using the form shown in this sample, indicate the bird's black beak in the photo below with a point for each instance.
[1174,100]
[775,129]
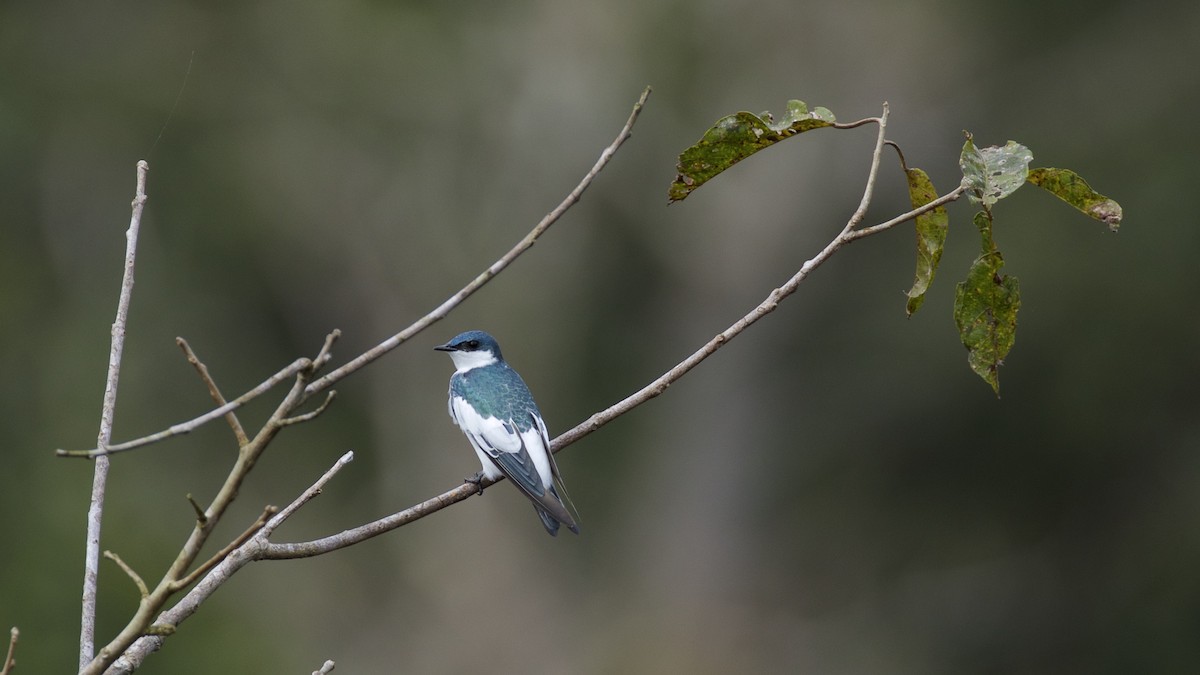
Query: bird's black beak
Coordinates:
[446,348]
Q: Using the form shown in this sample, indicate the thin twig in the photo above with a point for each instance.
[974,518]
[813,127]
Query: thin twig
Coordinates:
[227,549]
[213,391]
[315,489]
[297,419]
[191,425]
[10,661]
[137,579]
[495,268]
[869,190]
[285,551]
[91,563]
[326,668]
[326,352]
[201,516]
[900,153]
[904,217]
[856,123]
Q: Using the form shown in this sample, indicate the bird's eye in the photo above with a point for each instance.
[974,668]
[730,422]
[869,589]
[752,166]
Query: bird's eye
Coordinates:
[473,344]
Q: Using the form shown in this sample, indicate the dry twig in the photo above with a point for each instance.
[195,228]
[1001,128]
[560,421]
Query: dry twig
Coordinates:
[91,560]
[10,661]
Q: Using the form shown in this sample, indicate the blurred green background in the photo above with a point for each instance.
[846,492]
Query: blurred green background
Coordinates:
[834,492]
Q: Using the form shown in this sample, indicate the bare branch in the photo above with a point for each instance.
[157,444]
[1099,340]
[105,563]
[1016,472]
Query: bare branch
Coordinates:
[297,419]
[326,352]
[220,555]
[126,658]
[91,562]
[213,391]
[191,425]
[869,190]
[907,216]
[10,661]
[308,494]
[272,551]
[453,301]
[176,574]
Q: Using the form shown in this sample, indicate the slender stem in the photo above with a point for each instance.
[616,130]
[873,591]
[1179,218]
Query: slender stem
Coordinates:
[213,391]
[298,419]
[272,551]
[226,550]
[193,424]
[129,571]
[530,239]
[904,217]
[315,489]
[10,661]
[91,562]
[130,655]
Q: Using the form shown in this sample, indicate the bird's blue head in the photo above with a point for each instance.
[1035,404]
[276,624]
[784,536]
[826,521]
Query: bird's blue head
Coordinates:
[472,349]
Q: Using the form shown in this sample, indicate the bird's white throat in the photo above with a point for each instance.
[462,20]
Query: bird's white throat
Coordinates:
[465,361]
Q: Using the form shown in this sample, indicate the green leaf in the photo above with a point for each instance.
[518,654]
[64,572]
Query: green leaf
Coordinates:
[736,137]
[993,173]
[1074,190]
[985,309]
[932,227]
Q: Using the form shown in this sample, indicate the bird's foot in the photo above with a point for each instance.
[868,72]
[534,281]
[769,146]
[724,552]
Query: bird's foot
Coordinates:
[477,481]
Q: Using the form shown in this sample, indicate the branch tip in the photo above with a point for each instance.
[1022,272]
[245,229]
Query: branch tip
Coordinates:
[10,661]
[201,517]
[134,576]
[297,419]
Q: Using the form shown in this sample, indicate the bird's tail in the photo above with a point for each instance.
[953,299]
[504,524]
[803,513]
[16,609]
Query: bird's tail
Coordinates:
[550,522]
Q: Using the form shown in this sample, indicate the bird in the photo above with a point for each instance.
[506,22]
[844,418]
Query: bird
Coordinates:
[495,410]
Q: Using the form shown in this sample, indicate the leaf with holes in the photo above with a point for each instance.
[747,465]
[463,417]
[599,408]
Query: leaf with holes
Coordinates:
[993,173]
[985,310]
[736,137]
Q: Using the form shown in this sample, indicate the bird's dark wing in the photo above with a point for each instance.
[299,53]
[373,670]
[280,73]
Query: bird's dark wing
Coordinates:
[510,450]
